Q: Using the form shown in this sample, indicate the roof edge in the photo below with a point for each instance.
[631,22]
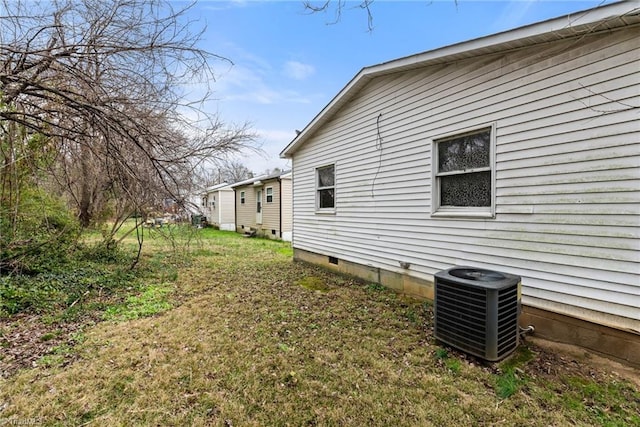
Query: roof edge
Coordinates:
[263,177]
[565,26]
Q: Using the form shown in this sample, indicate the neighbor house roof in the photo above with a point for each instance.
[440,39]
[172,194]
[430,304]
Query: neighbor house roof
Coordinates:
[599,19]
[248,181]
[261,178]
[215,187]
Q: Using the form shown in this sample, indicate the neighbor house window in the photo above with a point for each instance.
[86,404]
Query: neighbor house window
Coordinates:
[463,174]
[213,202]
[326,187]
[269,191]
[242,197]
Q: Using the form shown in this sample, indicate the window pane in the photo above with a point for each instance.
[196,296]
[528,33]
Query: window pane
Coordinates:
[326,198]
[472,189]
[465,152]
[326,177]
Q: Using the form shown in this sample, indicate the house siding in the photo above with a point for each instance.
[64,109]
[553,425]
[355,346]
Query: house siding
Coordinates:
[245,213]
[286,196]
[226,218]
[222,214]
[271,211]
[215,210]
[566,168]
[272,224]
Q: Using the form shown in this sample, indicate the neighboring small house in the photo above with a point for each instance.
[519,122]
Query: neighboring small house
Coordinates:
[218,206]
[517,152]
[263,206]
[192,205]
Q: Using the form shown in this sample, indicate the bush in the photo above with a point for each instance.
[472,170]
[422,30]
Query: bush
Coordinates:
[58,290]
[105,251]
[36,234]
[20,293]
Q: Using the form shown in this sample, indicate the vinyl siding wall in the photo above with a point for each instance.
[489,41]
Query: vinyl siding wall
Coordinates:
[286,193]
[213,210]
[245,213]
[222,214]
[271,211]
[227,210]
[567,174]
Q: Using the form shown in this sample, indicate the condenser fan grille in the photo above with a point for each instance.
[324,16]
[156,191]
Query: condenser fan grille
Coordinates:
[507,321]
[462,314]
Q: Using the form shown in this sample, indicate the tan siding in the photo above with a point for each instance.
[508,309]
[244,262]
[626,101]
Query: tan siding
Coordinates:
[286,205]
[245,213]
[567,175]
[228,207]
[271,211]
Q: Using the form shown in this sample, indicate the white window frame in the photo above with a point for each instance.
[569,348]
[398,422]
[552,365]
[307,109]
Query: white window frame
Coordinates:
[267,195]
[213,202]
[318,189]
[242,197]
[463,211]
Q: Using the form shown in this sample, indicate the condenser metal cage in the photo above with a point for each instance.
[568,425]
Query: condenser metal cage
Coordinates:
[476,311]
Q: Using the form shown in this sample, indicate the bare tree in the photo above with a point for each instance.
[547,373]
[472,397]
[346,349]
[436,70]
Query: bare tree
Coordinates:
[337,7]
[274,171]
[233,171]
[102,83]
[225,170]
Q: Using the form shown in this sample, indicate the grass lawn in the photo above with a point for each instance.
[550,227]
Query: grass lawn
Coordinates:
[237,334]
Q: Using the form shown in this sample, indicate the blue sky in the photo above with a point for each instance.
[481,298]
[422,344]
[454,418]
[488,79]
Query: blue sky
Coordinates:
[288,64]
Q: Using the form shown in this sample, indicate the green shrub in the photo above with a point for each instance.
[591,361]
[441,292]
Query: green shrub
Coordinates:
[25,293]
[73,282]
[103,252]
[36,234]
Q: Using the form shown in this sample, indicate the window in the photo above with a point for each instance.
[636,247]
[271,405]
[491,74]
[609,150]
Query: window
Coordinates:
[204,201]
[325,185]
[213,202]
[242,197]
[269,194]
[463,174]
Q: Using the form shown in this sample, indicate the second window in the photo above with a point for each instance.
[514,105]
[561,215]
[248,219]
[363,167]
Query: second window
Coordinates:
[325,187]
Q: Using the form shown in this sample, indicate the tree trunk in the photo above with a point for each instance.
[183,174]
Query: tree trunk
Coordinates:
[85,200]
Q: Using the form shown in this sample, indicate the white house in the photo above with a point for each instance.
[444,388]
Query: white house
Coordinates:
[517,152]
[218,206]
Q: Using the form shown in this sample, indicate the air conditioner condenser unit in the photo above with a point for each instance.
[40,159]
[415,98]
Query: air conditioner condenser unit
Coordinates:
[477,310]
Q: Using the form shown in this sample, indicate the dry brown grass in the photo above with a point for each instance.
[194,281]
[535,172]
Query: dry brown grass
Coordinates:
[255,339]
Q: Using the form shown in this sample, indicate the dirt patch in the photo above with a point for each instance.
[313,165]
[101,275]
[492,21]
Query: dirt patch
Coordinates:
[554,358]
[25,339]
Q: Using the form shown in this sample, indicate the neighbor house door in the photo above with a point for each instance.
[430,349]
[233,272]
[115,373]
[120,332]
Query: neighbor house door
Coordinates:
[259,206]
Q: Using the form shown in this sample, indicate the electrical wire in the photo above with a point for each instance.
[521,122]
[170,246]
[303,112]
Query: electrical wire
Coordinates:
[378,146]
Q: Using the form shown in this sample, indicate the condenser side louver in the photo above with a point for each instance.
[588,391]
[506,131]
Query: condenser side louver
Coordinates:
[477,311]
